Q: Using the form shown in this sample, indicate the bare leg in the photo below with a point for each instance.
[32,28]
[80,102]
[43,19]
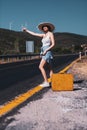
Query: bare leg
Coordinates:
[51,72]
[41,67]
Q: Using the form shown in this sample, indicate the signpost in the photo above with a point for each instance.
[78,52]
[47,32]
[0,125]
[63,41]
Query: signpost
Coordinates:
[29,46]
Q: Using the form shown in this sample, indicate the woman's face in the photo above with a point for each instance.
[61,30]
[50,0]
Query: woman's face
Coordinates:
[45,29]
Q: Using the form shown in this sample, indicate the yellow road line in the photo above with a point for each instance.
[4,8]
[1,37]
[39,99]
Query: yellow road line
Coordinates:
[66,68]
[23,97]
[18,100]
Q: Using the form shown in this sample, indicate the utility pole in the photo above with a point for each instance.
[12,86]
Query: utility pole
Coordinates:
[10,25]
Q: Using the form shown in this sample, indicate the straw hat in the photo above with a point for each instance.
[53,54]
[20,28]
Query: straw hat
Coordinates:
[41,25]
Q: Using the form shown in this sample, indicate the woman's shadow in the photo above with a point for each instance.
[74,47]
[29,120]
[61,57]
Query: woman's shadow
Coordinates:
[78,82]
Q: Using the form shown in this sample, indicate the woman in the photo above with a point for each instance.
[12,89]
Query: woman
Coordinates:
[47,44]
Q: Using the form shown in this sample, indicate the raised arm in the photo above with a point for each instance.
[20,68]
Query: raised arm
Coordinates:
[32,33]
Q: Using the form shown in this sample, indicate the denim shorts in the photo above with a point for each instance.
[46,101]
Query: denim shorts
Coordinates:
[48,56]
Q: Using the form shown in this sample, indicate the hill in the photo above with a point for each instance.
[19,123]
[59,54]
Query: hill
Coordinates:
[69,42]
[12,42]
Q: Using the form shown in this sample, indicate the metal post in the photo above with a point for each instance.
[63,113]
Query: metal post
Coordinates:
[2,59]
[80,55]
[85,52]
[8,59]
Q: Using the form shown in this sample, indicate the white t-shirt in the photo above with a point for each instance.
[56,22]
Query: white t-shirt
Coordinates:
[46,41]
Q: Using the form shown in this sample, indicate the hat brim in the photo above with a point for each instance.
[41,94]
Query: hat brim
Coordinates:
[40,26]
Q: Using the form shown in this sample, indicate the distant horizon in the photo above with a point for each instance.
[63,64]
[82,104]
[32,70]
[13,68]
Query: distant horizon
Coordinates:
[53,32]
[66,15]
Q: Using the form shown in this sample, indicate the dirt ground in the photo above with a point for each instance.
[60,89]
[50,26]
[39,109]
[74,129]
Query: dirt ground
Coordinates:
[80,69]
[65,110]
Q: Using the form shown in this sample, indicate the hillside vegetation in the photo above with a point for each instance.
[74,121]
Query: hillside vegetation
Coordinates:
[12,42]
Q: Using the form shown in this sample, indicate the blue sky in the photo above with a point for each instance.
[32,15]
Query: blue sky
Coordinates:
[66,15]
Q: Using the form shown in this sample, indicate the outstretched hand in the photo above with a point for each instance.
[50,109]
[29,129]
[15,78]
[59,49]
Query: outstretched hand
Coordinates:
[24,29]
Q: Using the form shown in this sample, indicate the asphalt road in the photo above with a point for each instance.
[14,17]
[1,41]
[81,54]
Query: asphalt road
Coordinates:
[17,78]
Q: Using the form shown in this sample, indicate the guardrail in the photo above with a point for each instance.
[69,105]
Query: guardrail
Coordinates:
[22,57]
[17,57]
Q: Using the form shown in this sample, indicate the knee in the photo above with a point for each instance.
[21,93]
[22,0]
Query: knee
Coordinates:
[40,67]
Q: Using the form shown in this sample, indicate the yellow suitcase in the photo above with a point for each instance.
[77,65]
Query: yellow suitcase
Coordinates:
[62,82]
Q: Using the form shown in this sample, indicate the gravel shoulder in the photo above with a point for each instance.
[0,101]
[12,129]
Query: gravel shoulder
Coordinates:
[65,110]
